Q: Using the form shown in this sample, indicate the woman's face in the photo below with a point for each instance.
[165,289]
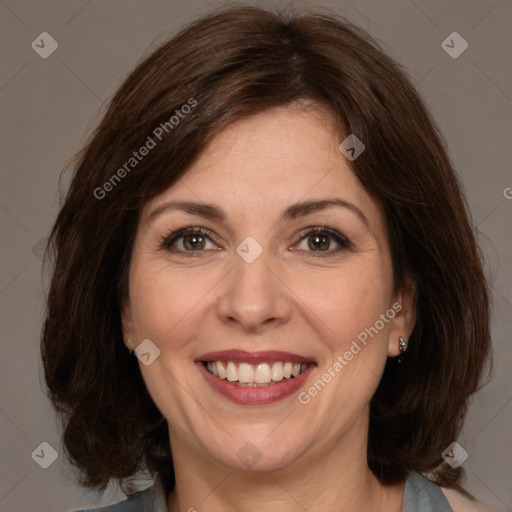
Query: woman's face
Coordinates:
[254,285]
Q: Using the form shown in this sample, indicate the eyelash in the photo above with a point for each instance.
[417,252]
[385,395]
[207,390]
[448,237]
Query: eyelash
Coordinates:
[343,242]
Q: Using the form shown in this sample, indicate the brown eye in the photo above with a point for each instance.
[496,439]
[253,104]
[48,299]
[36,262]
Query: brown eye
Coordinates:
[188,240]
[192,242]
[319,240]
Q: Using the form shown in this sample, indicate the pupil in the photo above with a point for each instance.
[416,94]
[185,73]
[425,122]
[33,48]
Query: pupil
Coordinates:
[194,241]
[318,241]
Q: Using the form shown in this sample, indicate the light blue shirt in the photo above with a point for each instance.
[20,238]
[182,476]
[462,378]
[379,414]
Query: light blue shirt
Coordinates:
[420,495]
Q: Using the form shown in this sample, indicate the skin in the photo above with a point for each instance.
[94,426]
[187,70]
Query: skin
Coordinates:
[290,298]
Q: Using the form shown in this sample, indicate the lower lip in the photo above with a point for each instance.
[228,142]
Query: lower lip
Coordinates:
[257,395]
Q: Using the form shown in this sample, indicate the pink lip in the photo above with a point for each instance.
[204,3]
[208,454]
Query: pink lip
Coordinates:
[241,356]
[254,396]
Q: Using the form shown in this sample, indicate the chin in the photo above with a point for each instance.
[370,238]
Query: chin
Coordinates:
[259,452]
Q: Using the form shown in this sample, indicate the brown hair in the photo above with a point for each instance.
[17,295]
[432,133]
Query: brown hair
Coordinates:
[232,63]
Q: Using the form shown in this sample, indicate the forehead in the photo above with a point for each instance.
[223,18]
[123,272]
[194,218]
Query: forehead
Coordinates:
[261,163]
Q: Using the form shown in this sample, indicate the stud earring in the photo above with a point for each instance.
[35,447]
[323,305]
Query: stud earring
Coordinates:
[402,346]
[129,342]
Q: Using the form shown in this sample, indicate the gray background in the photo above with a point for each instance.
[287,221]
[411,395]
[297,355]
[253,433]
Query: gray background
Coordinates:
[48,106]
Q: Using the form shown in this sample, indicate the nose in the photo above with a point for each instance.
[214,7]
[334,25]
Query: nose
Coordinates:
[253,298]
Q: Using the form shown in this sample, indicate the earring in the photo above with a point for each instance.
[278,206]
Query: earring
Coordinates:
[402,346]
[129,342]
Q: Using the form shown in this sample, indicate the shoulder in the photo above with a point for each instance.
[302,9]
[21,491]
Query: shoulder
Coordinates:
[152,499]
[460,503]
[135,503]
[421,494]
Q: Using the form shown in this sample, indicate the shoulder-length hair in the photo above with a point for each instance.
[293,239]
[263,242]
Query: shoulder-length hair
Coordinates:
[230,64]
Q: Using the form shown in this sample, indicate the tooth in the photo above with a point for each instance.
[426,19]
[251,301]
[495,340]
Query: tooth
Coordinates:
[231,372]
[263,374]
[245,373]
[277,371]
[221,369]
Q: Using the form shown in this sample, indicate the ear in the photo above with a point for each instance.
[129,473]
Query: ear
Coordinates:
[126,323]
[402,325]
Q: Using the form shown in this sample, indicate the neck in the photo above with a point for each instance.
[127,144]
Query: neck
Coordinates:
[336,478]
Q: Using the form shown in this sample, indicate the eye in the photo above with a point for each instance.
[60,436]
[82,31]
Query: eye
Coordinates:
[318,240]
[188,240]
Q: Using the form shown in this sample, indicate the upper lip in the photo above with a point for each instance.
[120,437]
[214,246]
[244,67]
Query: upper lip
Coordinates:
[241,356]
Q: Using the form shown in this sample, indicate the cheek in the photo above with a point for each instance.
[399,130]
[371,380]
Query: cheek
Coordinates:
[350,300]
[164,302]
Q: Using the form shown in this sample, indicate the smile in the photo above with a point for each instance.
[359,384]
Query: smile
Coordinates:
[260,375]
[254,378]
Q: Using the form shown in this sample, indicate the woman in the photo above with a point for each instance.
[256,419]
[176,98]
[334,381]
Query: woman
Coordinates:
[267,291]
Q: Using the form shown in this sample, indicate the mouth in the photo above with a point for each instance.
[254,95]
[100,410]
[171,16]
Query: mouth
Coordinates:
[254,378]
[260,375]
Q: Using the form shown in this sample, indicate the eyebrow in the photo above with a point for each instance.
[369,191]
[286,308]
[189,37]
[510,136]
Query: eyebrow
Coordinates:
[294,211]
